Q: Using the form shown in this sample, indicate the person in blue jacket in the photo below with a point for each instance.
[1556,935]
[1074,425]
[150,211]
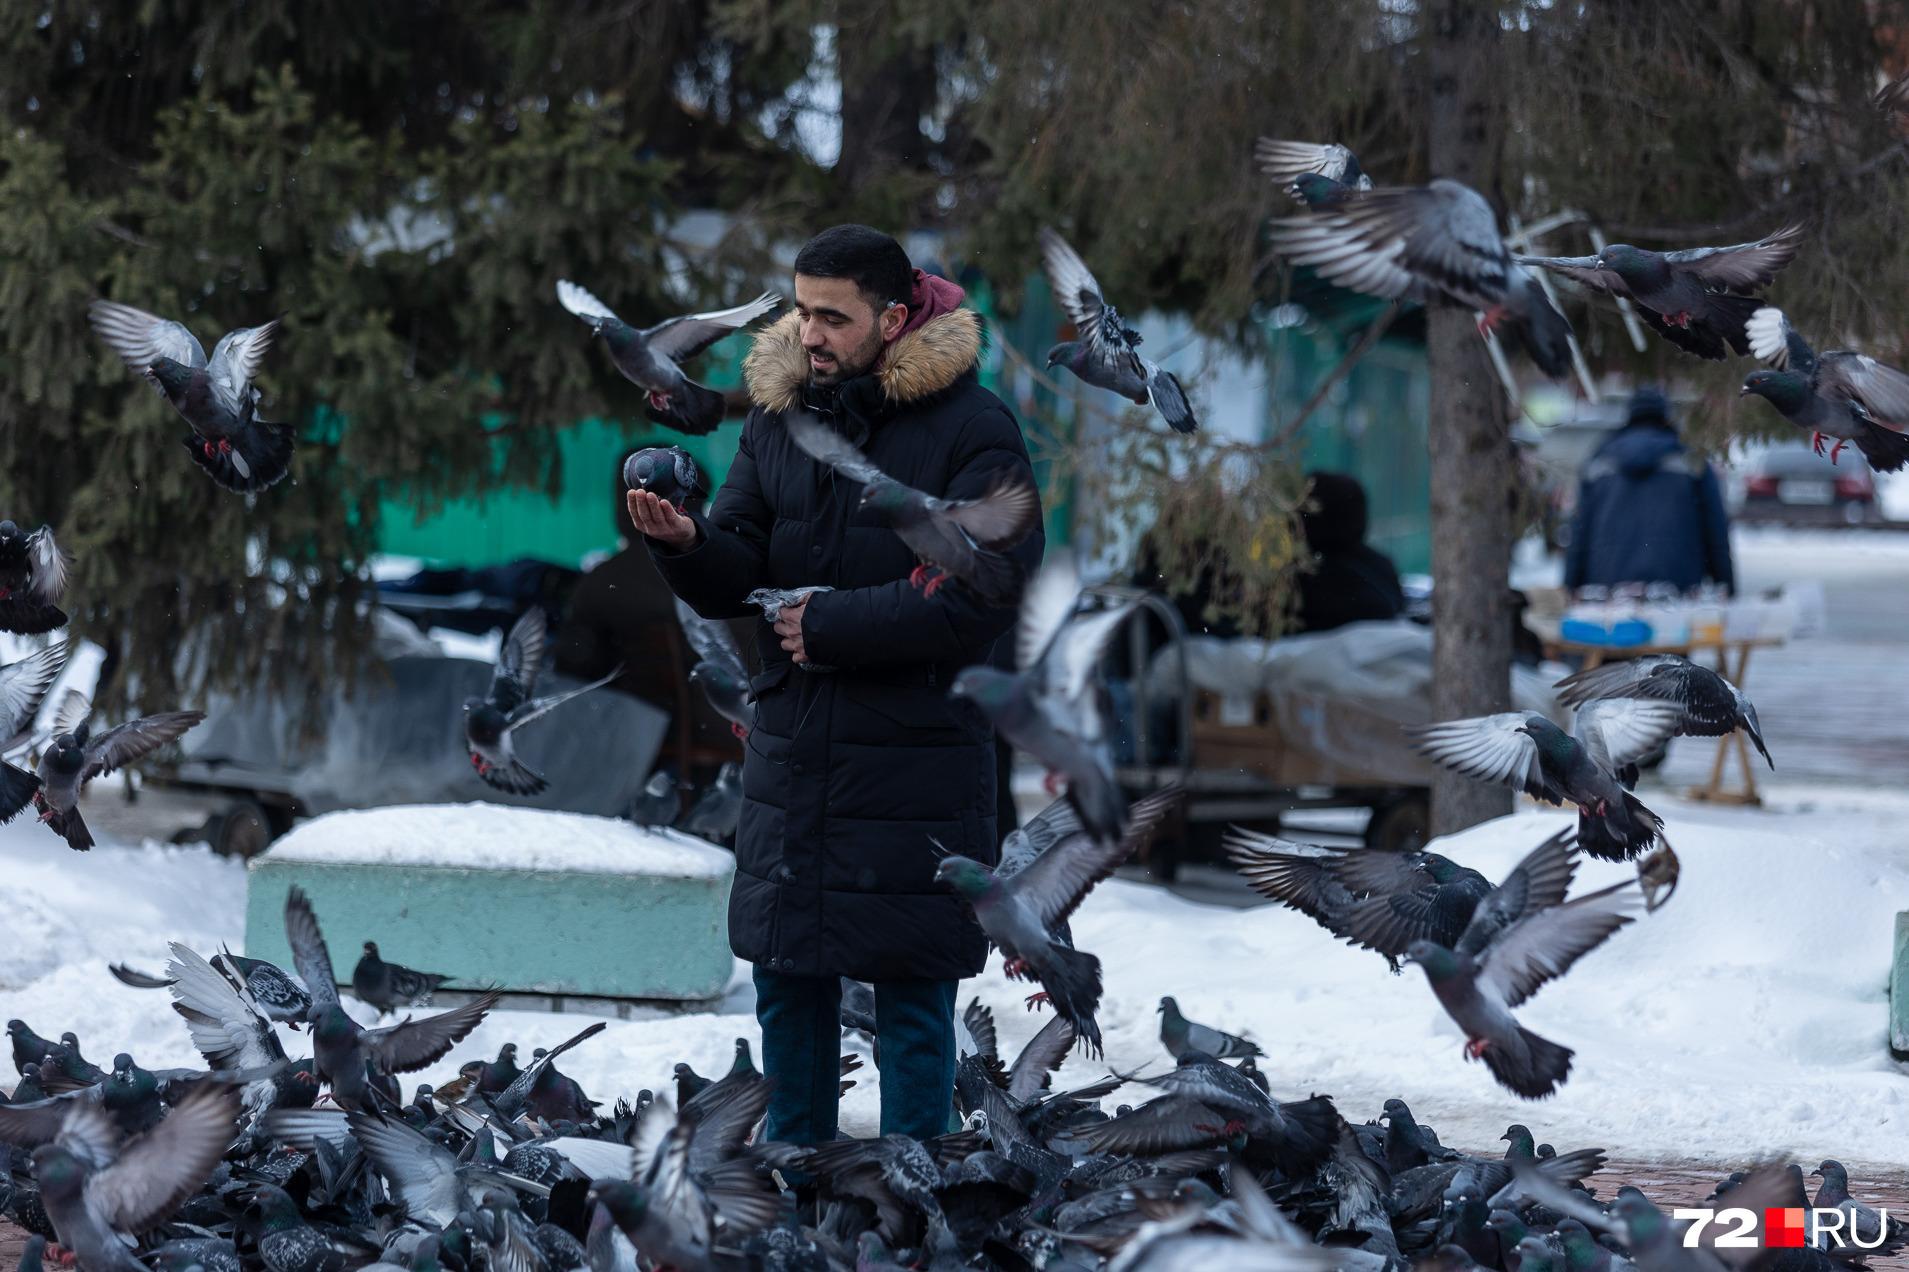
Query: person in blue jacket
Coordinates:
[1648,510]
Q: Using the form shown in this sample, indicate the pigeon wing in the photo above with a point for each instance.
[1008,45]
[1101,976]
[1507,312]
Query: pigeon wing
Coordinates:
[1051,825]
[1078,292]
[825,446]
[235,362]
[1774,340]
[1068,666]
[412,1044]
[1043,1054]
[157,1172]
[1001,516]
[536,707]
[712,641]
[1542,947]
[141,339]
[225,1026]
[1405,241]
[310,957]
[1058,880]
[1620,731]
[681,338]
[1051,598]
[23,687]
[422,1174]
[1286,161]
[1537,883]
[581,303]
[1652,676]
[118,747]
[1164,1125]
[1582,270]
[1489,749]
[49,564]
[522,657]
[1880,389]
[1741,267]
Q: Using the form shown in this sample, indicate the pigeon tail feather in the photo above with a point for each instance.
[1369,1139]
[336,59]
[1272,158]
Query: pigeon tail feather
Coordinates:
[1072,981]
[16,790]
[693,409]
[1886,450]
[1534,1070]
[1626,829]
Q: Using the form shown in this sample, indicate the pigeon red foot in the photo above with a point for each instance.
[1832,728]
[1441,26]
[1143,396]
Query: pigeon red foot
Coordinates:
[1816,442]
[741,733]
[659,401]
[1837,449]
[1037,1000]
[1490,319]
[1475,1047]
[934,585]
[1014,968]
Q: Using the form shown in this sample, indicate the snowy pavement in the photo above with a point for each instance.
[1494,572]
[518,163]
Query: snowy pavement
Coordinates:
[1746,1017]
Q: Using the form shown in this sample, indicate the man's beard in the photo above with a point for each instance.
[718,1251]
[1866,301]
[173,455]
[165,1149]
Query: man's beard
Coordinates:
[852,365]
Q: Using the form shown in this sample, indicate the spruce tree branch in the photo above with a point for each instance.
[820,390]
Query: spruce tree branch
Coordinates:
[1763,212]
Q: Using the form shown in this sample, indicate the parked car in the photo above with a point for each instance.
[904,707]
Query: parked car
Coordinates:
[1791,484]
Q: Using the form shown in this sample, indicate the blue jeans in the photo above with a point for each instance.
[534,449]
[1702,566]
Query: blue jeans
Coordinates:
[801,1019]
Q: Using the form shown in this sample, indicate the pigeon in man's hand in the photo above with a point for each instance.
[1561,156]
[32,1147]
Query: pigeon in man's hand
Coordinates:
[719,668]
[772,600]
[1529,753]
[76,758]
[23,687]
[1105,351]
[1712,706]
[1436,243]
[669,473]
[649,357]
[658,803]
[952,538]
[1504,957]
[389,986]
[491,722]
[1019,914]
[216,395]
[1054,708]
[1699,299]
[32,577]
[717,810]
[1841,394]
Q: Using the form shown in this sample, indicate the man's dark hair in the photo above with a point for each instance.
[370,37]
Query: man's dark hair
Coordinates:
[871,258]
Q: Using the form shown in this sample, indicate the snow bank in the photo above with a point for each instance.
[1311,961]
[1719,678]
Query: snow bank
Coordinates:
[497,837]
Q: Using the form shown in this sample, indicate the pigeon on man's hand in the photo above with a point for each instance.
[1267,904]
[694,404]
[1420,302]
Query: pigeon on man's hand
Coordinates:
[963,539]
[1712,706]
[1105,350]
[23,687]
[216,395]
[1529,753]
[648,357]
[669,473]
[1699,299]
[32,576]
[491,722]
[76,758]
[1841,394]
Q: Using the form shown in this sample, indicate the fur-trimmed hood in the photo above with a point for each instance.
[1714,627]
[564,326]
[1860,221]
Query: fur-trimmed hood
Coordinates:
[917,365]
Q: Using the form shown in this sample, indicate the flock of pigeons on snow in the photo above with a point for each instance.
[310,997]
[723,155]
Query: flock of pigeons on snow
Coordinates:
[321,1164]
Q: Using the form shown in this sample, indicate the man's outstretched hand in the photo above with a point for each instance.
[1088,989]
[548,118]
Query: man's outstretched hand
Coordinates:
[658,520]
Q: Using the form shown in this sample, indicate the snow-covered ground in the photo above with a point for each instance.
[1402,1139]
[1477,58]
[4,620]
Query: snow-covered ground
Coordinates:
[1748,1016]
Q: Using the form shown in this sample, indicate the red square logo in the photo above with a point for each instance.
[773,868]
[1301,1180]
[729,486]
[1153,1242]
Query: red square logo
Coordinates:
[1783,1227]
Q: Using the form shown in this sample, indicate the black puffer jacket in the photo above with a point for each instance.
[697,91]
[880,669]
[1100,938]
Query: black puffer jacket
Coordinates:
[849,773]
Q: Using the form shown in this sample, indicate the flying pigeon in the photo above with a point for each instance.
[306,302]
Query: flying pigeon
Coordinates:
[356,1062]
[389,986]
[1699,299]
[274,994]
[100,1190]
[1206,1103]
[667,472]
[1181,1036]
[233,1034]
[715,813]
[1497,965]
[1019,914]
[1841,394]
[32,577]
[1053,708]
[952,538]
[216,396]
[1894,96]
[719,668]
[76,758]
[658,803]
[490,722]
[1105,350]
[1712,706]
[649,357]
[1529,753]
[1312,173]
[1430,243]
[23,687]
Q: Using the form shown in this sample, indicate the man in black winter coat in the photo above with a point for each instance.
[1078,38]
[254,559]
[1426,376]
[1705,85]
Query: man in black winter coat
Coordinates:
[850,771]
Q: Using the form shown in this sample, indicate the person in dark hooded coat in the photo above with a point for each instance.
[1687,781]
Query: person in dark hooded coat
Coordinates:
[853,775]
[1648,510]
[1351,581]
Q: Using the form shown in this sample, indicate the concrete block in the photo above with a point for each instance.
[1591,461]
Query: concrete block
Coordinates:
[1899,989]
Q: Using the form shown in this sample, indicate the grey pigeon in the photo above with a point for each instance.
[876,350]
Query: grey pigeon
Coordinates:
[389,986]
[1181,1036]
[1841,394]
[649,357]
[658,803]
[215,395]
[669,473]
[427,1182]
[858,1007]
[770,601]
[276,995]
[32,577]
[1019,914]
[1435,244]
[342,1050]
[1105,350]
[1054,707]
[719,668]
[99,1189]
[1699,299]
[23,687]
[1025,844]
[1867,1224]
[1712,706]
[491,722]
[717,810]
[230,1031]
[1529,753]
[1498,965]
[210,1254]
[1312,173]
[76,758]
[28,1047]
[952,538]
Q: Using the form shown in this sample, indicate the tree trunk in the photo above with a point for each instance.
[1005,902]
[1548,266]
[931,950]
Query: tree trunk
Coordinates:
[1471,469]
[886,89]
